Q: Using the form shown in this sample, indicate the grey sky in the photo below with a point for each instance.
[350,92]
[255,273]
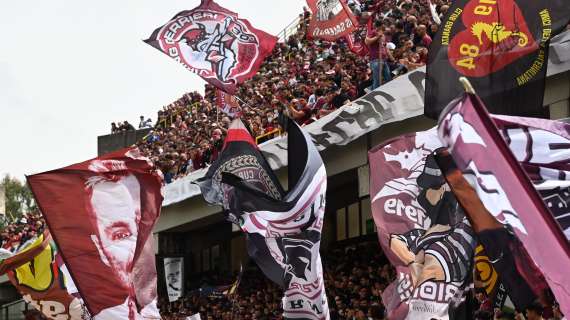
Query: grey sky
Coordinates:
[69,68]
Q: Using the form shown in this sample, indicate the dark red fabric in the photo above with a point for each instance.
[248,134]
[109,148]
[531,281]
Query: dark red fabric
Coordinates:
[468,130]
[66,204]
[336,25]
[224,41]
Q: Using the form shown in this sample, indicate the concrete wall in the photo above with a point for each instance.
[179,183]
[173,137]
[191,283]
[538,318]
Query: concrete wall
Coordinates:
[339,160]
[112,142]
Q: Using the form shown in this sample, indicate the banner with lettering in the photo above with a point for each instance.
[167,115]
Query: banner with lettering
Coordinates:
[330,19]
[214,43]
[421,228]
[44,283]
[501,47]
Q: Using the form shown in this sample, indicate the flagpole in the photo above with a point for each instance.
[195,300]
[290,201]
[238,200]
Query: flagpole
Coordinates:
[466,85]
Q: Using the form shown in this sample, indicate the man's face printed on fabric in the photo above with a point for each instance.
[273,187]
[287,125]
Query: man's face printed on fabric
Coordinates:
[116,207]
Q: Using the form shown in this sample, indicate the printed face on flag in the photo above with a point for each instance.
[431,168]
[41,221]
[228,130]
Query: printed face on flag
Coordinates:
[173,275]
[101,217]
[115,209]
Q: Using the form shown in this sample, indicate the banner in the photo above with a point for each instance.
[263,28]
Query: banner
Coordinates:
[174,277]
[101,213]
[214,43]
[505,190]
[501,47]
[283,229]
[330,19]
[44,283]
[397,100]
[356,39]
[228,104]
[421,229]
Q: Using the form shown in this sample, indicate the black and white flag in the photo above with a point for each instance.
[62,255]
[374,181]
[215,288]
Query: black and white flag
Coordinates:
[283,228]
[173,273]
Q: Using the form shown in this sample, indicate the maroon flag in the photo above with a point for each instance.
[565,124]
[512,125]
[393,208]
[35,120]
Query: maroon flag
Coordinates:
[542,147]
[521,280]
[228,104]
[506,192]
[101,213]
[214,43]
[420,228]
[331,19]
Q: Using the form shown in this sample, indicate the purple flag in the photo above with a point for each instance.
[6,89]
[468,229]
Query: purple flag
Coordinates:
[487,163]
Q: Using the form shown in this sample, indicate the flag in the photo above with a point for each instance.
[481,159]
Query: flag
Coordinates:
[501,47]
[355,40]
[522,282]
[174,275]
[214,43]
[542,147]
[486,274]
[228,104]
[42,280]
[330,20]
[283,229]
[101,213]
[505,190]
[420,228]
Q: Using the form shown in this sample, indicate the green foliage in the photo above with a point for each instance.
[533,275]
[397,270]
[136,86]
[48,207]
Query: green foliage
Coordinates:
[19,198]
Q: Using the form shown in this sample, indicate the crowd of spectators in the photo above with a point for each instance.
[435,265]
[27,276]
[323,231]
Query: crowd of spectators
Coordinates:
[303,78]
[355,276]
[15,234]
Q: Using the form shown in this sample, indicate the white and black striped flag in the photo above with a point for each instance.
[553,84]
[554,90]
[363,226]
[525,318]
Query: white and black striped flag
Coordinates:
[283,228]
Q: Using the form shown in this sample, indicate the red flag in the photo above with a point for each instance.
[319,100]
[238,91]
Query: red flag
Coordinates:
[214,43]
[101,213]
[486,162]
[44,283]
[356,44]
[331,19]
[228,104]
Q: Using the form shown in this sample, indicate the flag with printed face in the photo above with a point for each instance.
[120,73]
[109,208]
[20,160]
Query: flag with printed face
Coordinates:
[214,43]
[421,228]
[504,189]
[283,228]
[174,274]
[330,19]
[228,104]
[101,213]
[501,47]
[42,279]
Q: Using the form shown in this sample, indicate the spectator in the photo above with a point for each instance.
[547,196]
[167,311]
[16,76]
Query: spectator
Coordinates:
[145,123]
[302,77]
[534,311]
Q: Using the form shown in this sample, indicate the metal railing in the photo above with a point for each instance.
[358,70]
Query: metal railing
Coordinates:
[290,29]
[13,310]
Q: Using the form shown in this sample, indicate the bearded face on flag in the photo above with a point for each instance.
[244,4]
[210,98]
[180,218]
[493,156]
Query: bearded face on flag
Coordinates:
[114,207]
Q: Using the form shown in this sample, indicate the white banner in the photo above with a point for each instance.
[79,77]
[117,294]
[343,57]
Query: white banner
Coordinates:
[174,277]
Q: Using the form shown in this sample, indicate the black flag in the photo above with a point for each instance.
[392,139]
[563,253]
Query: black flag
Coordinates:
[501,47]
[283,229]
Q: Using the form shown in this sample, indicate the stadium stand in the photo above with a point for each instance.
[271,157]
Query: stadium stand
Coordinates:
[303,78]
